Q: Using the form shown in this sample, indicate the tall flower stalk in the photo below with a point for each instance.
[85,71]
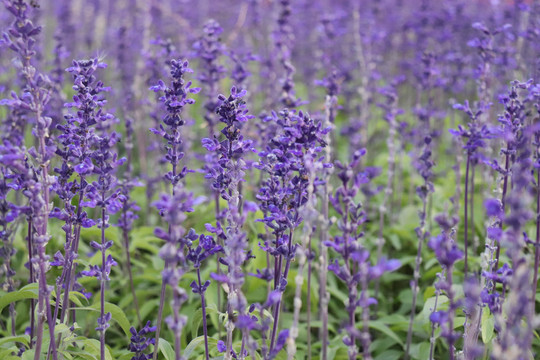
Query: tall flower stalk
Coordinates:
[34,99]
[174,98]
[227,176]
[354,268]
[473,139]
[283,193]
[424,165]
[77,143]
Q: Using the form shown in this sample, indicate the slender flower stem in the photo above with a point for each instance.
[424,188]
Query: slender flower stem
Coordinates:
[44,308]
[537,242]
[203,308]
[30,244]
[70,259]
[277,308]
[163,283]
[323,270]
[466,212]
[433,325]
[159,316]
[503,204]
[416,278]
[308,301]
[471,207]
[366,340]
[219,271]
[102,282]
[125,234]
[451,311]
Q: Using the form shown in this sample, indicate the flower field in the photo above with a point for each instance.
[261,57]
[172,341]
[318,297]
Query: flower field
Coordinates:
[269,179]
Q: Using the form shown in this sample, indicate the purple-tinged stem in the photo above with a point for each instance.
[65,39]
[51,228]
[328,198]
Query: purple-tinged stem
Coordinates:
[163,284]
[308,301]
[219,271]
[537,243]
[102,285]
[203,306]
[466,212]
[70,270]
[324,298]
[160,316]
[44,306]
[366,340]
[31,267]
[471,207]
[125,234]
[277,308]
[503,203]
[450,294]
[433,325]
[416,278]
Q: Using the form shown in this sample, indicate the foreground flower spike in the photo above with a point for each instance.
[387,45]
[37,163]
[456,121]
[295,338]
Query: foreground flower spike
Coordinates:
[447,253]
[77,143]
[424,163]
[227,176]
[140,342]
[354,269]
[174,98]
[173,210]
[34,97]
[473,140]
[13,162]
[283,195]
[196,255]
[103,193]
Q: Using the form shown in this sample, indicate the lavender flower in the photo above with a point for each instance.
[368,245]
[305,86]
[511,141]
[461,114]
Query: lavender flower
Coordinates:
[34,98]
[208,49]
[355,270]
[283,194]
[139,342]
[447,253]
[227,176]
[77,144]
[174,98]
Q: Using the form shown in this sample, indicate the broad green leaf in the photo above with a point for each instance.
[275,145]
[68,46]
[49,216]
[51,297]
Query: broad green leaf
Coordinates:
[94,347]
[420,351]
[166,349]
[390,355]
[29,291]
[380,326]
[488,327]
[195,343]
[197,319]
[117,314]
[82,354]
[24,339]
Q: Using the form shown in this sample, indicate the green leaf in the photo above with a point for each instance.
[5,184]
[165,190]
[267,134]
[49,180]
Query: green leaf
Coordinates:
[166,349]
[195,343]
[24,339]
[29,291]
[117,314]
[420,351]
[488,327]
[94,347]
[380,326]
[390,355]
[197,318]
